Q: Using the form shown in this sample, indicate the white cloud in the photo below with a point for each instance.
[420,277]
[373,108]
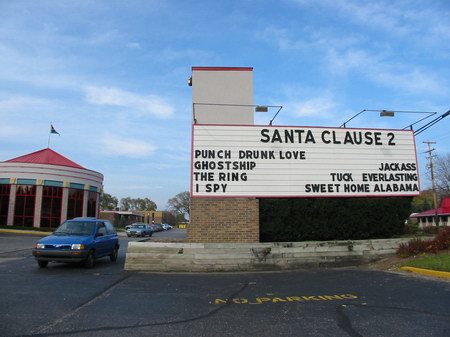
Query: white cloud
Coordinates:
[144,104]
[113,145]
[382,17]
[23,102]
[320,107]
[134,45]
[384,71]
[37,69]
[418,22]
[280,37]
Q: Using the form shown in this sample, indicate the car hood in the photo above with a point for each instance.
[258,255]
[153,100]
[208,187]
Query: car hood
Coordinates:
[61,239]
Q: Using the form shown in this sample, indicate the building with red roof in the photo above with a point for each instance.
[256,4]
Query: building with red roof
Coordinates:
[44,188]
[427,218]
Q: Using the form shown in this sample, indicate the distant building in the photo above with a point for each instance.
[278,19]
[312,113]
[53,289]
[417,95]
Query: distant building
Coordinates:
[44,188]
[427,218]
[153,217]
[122,218]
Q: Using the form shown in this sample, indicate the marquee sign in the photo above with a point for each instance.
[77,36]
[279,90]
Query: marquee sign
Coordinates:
[269,161]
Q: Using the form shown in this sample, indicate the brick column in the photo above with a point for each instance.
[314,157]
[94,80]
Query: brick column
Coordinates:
[224,220]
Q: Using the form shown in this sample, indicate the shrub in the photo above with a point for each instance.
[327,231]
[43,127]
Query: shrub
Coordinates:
[414,247]
[332,218]
[419,246]
[442,239]
[430,230]
[411,228]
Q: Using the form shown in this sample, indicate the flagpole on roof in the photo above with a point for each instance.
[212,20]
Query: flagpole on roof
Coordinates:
[52,131]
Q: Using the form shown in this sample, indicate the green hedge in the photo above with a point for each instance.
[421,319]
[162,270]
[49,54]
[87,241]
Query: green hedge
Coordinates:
[332,218]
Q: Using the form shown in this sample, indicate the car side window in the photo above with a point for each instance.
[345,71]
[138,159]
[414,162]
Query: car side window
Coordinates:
[110,227]
[101,228]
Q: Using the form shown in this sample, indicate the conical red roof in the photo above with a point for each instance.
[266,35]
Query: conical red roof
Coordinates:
[45,156]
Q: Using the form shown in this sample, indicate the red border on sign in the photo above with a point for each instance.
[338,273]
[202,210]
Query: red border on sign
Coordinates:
[222,68]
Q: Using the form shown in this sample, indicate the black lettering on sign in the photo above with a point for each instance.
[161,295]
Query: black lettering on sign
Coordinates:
[215,188]
[322,188]
[356,188]
[232,176]
[203,176]
[341,176]
[391,139]
[287,136]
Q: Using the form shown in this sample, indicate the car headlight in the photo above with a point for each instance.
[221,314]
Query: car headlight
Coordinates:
[40,246]
[77,246]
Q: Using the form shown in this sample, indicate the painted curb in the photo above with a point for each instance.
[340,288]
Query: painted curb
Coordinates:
[18,231]
[427,272]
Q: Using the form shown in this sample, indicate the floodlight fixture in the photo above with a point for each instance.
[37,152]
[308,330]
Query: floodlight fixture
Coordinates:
[261,108]
[392,113]
[387,113]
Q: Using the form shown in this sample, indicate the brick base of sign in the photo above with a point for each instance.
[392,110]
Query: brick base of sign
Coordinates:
[224,220]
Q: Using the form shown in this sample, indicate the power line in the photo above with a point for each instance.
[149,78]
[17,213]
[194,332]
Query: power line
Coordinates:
[430,124]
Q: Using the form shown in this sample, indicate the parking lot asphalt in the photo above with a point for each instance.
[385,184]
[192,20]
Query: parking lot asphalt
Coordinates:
[69,300]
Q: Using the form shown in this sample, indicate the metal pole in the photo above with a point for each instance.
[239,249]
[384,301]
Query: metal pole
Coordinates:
[430,150]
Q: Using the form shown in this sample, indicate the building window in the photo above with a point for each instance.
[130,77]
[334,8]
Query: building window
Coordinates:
[92,204]
[4,203]
[75,203]
[51,206]
[24,210]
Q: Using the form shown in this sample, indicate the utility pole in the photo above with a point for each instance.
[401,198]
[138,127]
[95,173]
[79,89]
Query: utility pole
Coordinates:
[430,157]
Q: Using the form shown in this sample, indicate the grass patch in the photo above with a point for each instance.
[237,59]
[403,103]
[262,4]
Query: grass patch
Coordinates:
[440,262]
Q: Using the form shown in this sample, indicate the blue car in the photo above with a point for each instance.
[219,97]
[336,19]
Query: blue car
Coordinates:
[139,229]
[80,240]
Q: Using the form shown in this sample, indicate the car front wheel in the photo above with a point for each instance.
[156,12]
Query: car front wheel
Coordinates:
[89,262]
[42,264]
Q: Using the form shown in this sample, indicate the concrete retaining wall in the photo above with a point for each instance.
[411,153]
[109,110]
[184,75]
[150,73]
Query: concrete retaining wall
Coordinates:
[210,257]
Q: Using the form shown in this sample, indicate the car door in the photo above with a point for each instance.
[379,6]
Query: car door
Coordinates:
[113,239]
[101,240]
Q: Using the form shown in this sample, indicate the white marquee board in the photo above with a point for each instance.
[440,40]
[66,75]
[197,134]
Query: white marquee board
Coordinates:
[268,161]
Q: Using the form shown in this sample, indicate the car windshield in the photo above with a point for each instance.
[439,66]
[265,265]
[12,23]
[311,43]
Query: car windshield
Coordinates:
[75,228]
[138,226]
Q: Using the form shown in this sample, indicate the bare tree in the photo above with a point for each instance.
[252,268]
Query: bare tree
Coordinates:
[180,204]
[442,174]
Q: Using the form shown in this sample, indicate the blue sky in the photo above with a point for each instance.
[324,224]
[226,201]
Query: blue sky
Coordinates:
[111,75]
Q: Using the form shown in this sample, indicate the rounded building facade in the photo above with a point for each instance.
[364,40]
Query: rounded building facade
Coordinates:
[44,188]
